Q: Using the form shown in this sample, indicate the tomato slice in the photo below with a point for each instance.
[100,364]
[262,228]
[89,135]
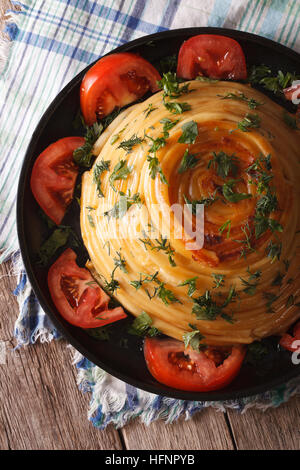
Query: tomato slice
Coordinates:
[77,296]
[212,56]
[185,369]
[115,81]
[288,341]
[54,175]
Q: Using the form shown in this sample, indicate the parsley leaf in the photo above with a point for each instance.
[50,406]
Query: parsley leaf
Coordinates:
[191,283]
[141,326]
[239,96]
[290,121]
[188,161]
[120,172]
[130,143]
[226,225]
[250,121]
[56,240]
[171,86]
[224,164]
[83,155]
[193,339]
[155,168]
[230,195]
[219,280]
[122,206]
[273,251]
[176,108]
[206,201]
[100,168]
[189,133]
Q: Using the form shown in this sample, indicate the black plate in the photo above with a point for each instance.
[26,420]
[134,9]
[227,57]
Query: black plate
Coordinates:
[128,363]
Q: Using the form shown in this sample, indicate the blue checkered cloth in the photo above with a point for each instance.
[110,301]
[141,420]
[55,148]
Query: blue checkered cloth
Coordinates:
[52,41]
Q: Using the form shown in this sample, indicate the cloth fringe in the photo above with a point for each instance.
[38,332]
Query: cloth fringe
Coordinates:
[12,20]
[120,404]
[32,323]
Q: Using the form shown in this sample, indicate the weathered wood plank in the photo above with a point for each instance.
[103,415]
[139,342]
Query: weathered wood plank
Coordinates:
[206,431]
[41,406]
[274,429]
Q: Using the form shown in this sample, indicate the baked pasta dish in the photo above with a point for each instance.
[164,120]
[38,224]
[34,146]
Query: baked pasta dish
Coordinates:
[189,210]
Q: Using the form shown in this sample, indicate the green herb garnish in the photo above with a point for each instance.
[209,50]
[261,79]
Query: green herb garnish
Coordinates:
[188,161]
[250,121]
[130,143]
[120,172]
[122,206]
[193,339]
[219,280]
[83,155]
[230,195]
[142,326]
[189,133]
[100,168]
[239,96]
[224,164]
[226,225]
[191,283]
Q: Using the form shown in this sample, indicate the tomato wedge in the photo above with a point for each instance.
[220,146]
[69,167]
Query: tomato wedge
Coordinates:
[77,296]
[212,56]
[289,342]
[54,175]
[115,81]
[185,369]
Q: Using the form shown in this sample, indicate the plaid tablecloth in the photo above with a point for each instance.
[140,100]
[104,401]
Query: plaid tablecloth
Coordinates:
[51,41]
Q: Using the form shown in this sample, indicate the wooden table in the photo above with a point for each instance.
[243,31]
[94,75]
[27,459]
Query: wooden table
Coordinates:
[41,407]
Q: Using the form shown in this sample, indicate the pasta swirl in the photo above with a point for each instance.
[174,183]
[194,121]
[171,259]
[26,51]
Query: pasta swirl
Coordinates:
[242,163]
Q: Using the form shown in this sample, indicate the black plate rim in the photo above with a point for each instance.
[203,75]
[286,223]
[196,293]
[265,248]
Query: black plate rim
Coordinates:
[221,395]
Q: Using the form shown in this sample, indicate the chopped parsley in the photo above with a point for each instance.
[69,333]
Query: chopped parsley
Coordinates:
[250,121]
[120,172]
[290,121]
[219,280]
[142,326]
[205,308]
[224,164]
[166,295]
[193,339]
[226,225]
[191,283]
[273,251]
[230,195]
[262,75]
[247,246]
[270,298]
[206,201]
[239,96]
[189,133]
[252,282]
[83,155]
[188,161]
[122,206]
[120,262]
[171,86]
[176,108]
[130,143]
[137,284]
[100,168]
[155,168]
[56,240]
[149,110]
[168,124]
